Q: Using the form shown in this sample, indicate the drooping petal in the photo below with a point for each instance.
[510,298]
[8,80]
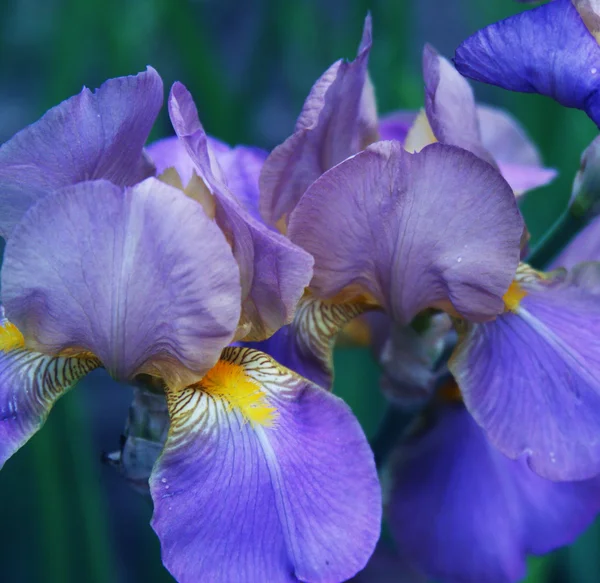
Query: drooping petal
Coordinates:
[30,384]
[274,272]
[241,165]
[464,512]
[531,377]
[338,119]
[412,230]
[545,50]
[584,247]
[306,345]
[141,278]
[239,500]
[450,105]
[87,137]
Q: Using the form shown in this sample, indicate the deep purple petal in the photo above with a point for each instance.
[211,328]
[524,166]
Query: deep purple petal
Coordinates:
[584,247]
[241,165]
[142,278]
[239,501]
[274,272]
[412,230]
[464,512]
[338,119]
[30,384]
[450,105]
[545,50]
[306,345]
[395,125]
[386,566]
[87,137]
[531,377]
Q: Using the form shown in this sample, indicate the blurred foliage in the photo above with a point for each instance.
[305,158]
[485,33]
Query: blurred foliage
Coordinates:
[66,517]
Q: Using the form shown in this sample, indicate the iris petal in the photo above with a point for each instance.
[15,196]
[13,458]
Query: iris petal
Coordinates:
[140,277]
[30,384]
[412,230]
[530,377]
[90,136]
[239,501]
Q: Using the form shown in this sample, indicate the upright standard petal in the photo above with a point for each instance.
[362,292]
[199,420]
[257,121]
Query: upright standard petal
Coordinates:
[545,50]
[462,511]
[274,272]
[450,105]
[412,231]
[241,165]
[90,136]
[306,345]
[30,384]
[338,119]
[531,377]
[264,477]
[141,278]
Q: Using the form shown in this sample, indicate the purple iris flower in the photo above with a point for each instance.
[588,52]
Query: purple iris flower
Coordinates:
[462,511]
[551,49]
[264,476]
[451,116]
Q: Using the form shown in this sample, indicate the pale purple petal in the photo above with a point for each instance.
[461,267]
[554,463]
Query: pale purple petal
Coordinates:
[412,230]
[338,119]
[584,247]
[87,137]
[140,277]
[450,105]
[464,512]
[239,501]
[274,272]
[531,377]
[30,384]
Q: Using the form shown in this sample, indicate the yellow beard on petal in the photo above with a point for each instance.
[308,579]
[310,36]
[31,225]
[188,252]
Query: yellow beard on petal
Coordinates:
[512,298]
[10,336]
[229,381]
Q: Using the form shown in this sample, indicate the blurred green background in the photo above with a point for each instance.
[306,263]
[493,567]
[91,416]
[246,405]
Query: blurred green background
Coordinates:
[67,518]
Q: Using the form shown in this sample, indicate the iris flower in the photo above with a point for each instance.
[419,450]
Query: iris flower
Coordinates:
[551,49]
[264,476]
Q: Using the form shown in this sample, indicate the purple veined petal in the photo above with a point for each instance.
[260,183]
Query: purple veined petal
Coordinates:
[30,384]
[241,165]
[584,247]
[274,272]
[90,136]
[338,119]
[236,499]
[530,377]
[396,125]
[546,50]
[306,345]
[462,511]
[140,277]
[412,230]
[450,105]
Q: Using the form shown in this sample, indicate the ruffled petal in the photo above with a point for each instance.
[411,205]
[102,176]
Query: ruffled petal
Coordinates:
[30,384]
[274,272]
[142,278]
[545,50]
[239,500]
[338,119]
[531,377]
[87,137]
[412,230]
[241,165]
[464,512]
[306,345]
